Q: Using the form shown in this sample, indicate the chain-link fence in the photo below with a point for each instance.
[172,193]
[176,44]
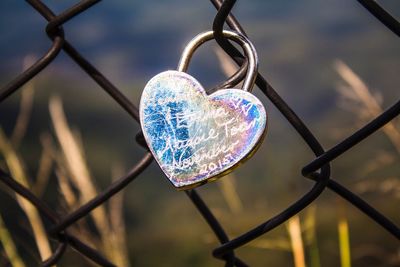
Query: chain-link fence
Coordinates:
[318,170]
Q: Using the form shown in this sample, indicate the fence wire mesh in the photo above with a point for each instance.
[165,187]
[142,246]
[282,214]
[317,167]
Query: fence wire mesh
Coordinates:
[318,170]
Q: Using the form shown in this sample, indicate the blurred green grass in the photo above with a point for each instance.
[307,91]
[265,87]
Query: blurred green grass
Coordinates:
[297,45]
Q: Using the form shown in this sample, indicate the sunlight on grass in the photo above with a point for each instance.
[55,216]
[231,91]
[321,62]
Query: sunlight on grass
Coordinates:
[363,102]
[17,171]
[9,246]
[344,237]
[228,189]
[294,230]
[25,108]
[344,242]
[310,233]
[110,230]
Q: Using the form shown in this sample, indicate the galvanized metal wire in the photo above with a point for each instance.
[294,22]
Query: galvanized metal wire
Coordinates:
[318,170]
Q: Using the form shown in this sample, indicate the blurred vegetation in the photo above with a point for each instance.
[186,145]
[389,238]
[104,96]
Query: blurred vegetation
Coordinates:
[68,151]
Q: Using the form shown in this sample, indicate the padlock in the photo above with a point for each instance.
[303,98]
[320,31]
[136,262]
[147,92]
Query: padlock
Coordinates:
[194,137]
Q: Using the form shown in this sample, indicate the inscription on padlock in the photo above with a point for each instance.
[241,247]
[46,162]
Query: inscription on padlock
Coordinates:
[195,137]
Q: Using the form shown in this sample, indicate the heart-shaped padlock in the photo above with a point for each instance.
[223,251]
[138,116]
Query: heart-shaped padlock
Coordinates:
[195,137]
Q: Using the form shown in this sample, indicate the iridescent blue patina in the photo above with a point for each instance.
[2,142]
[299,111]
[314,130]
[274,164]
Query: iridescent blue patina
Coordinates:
[197,137]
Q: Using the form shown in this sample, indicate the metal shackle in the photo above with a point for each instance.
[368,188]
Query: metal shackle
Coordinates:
[242,40]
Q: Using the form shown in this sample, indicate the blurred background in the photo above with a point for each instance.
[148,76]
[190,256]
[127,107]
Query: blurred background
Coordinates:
[63,136]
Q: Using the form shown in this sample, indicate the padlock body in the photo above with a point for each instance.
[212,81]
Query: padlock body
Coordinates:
[195,137]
